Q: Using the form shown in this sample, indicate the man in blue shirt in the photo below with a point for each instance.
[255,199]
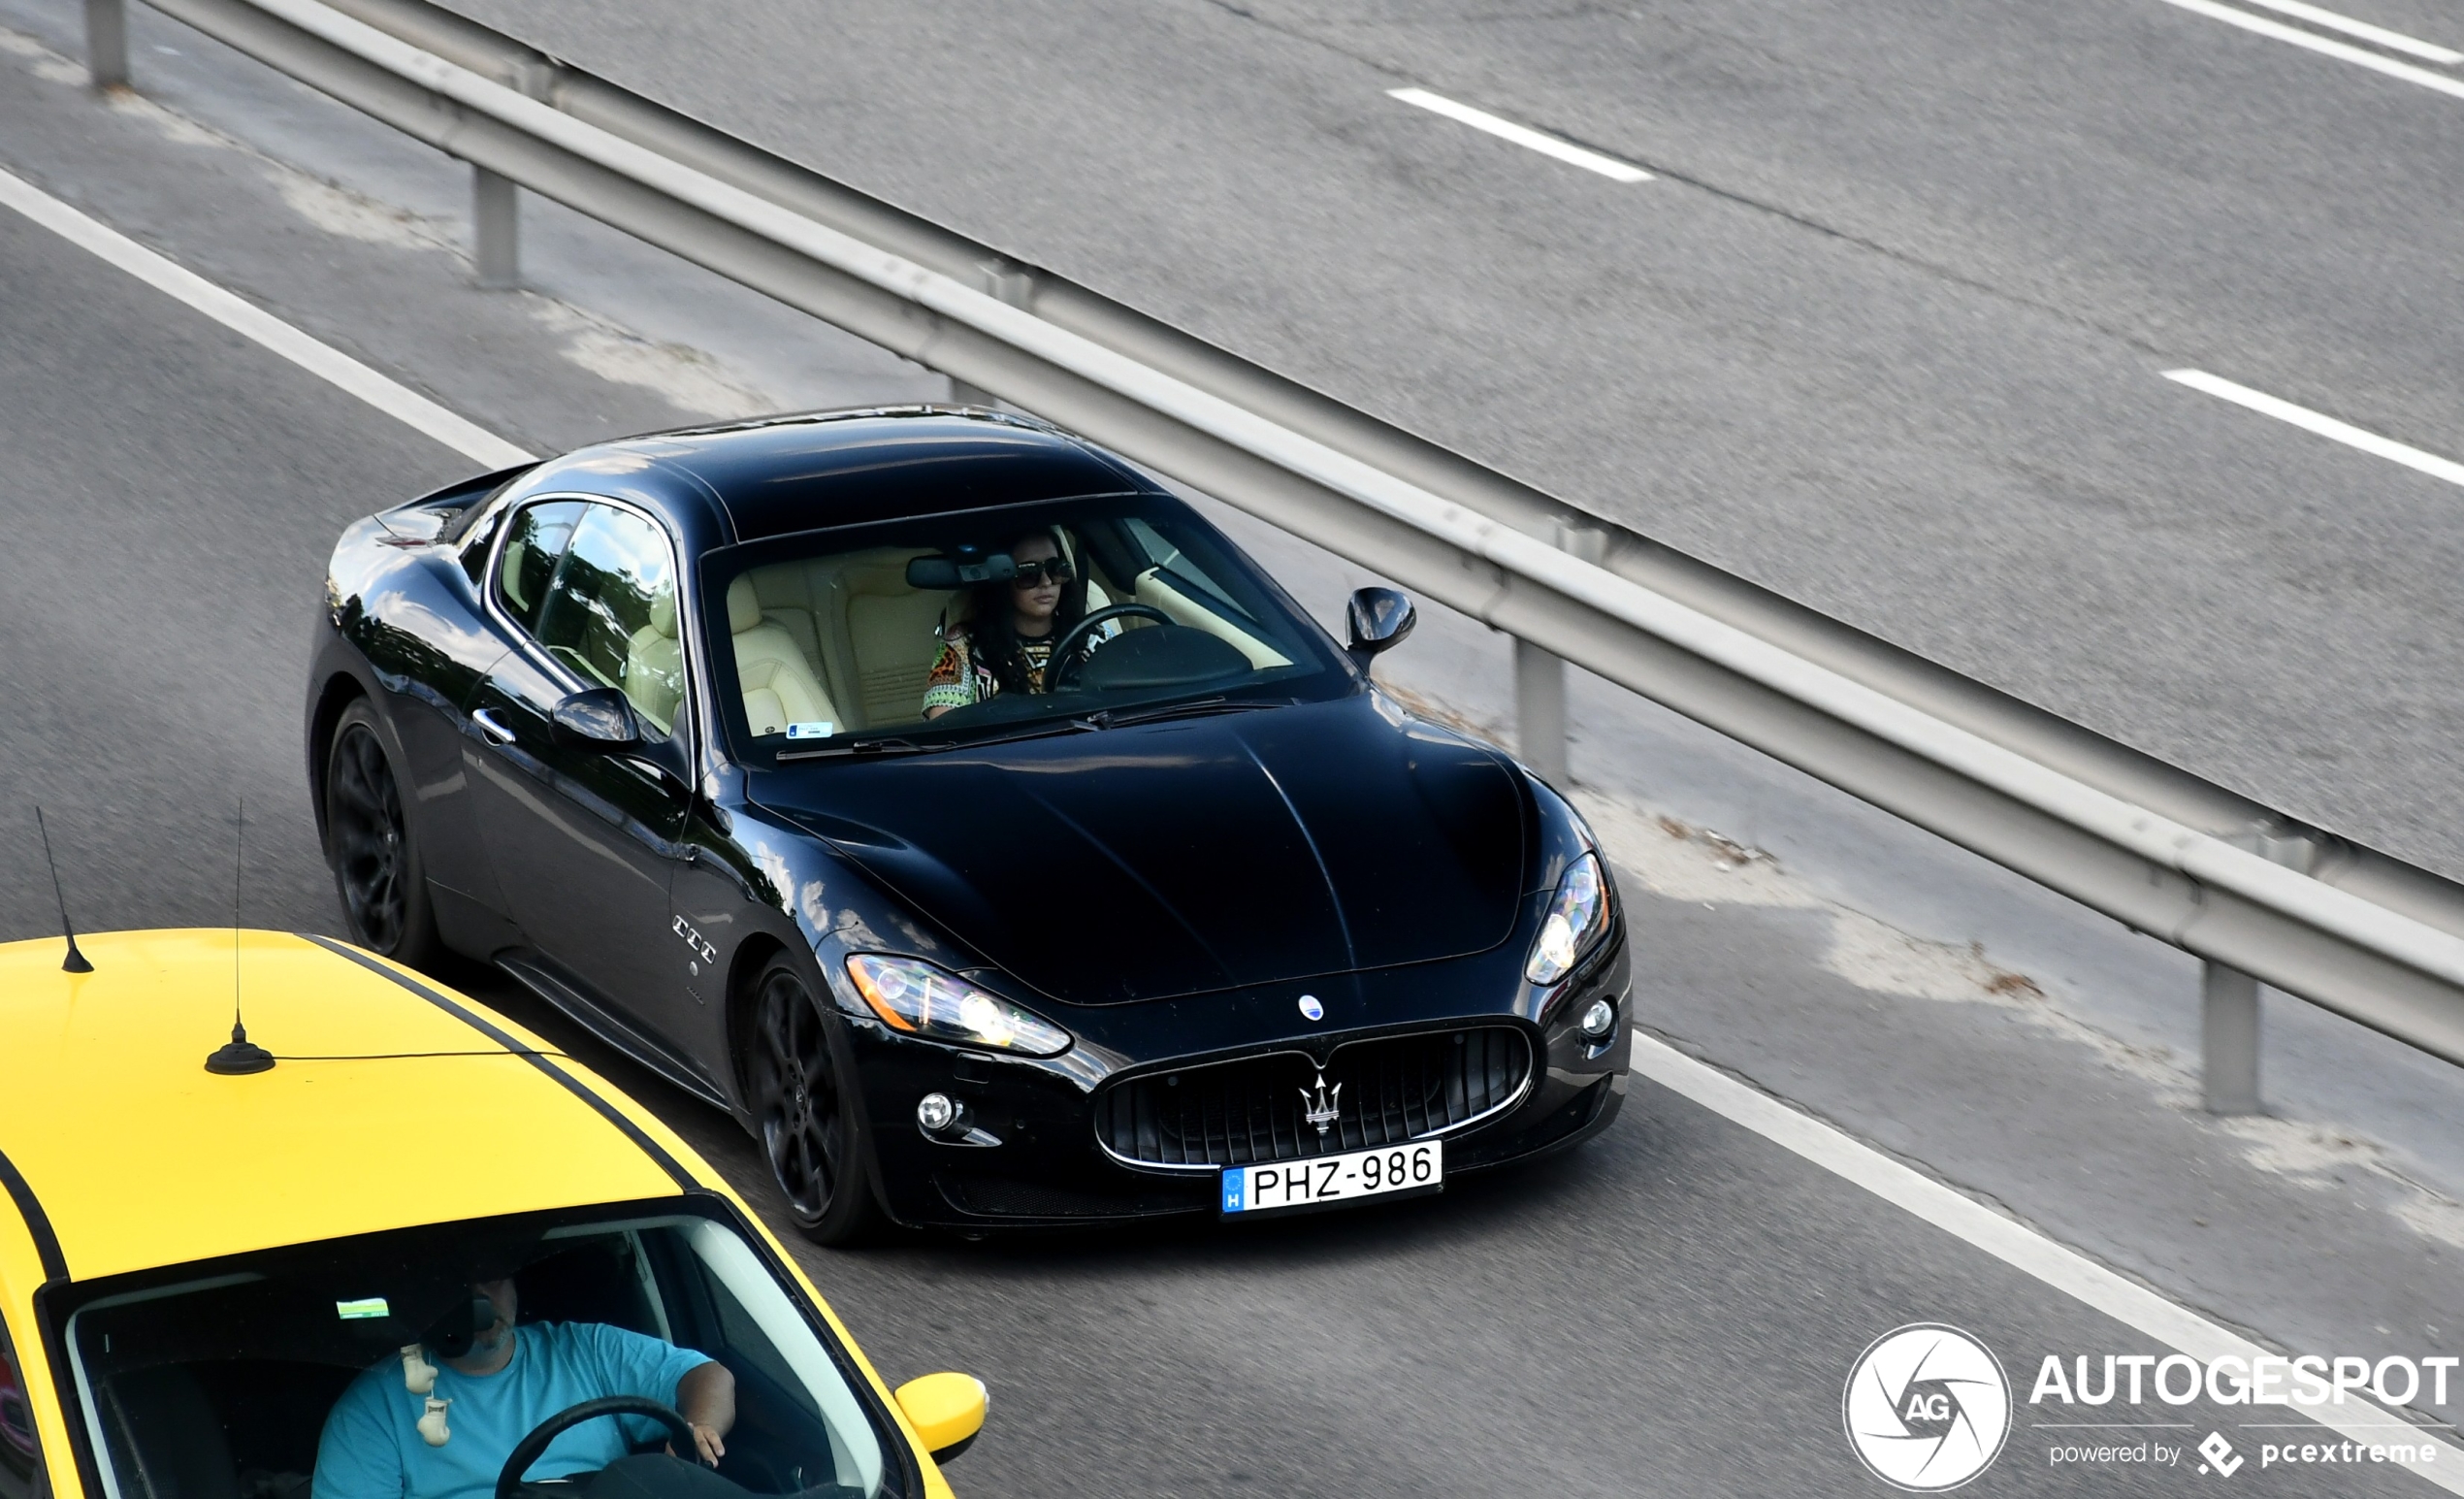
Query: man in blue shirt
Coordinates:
[410,1428]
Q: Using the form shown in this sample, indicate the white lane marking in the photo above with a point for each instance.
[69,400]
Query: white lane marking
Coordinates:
[1521,135]
[2392,41]
[2324,425]
[2014,1243]
[2323,46]
[251,321]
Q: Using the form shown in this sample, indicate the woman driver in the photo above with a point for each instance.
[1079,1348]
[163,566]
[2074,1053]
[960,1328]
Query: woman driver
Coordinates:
[1007,645]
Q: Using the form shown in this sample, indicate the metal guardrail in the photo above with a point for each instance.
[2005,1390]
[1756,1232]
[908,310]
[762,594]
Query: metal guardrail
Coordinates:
[2258,895]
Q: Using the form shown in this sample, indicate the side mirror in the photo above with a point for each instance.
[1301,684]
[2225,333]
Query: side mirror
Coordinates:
[1378,618]
[600,720]
[946,1411]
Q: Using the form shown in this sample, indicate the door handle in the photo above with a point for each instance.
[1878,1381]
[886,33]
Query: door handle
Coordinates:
[486,718]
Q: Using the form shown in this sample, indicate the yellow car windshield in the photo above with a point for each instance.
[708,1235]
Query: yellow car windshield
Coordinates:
[252,1377]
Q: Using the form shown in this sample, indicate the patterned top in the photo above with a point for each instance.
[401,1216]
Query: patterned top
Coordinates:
[959,677]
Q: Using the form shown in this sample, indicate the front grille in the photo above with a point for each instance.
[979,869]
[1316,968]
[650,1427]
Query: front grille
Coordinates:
[1392,1090]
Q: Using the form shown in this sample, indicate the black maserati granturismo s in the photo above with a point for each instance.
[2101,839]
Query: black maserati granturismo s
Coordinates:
[963,812]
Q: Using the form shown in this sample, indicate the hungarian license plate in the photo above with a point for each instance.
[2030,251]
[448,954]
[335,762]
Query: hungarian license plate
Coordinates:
[1323,1181]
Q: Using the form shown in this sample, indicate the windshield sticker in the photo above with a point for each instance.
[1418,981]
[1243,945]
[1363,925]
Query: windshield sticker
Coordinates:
[364,1307]
[813,731]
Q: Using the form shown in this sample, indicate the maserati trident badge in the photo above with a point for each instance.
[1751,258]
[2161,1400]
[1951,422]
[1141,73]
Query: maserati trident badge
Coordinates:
[1323,1109]
[1310,1009]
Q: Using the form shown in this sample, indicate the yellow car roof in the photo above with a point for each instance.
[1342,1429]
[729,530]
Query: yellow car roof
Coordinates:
[138,1156]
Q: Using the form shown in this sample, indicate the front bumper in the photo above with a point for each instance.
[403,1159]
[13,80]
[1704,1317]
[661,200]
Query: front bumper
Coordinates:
[1029,1153]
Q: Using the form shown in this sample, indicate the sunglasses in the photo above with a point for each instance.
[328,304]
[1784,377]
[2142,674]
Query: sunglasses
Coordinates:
[1033,575]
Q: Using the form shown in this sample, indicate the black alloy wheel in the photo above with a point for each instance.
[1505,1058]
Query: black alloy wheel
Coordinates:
[368,841]
[812,1129]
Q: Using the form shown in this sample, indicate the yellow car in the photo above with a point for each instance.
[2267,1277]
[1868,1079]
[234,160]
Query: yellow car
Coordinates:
[388,1244]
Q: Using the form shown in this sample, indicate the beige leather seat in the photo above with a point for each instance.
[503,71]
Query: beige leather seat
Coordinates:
[1151,588]
[890,630]
[778,682]
[870,639]
[655,663]
[867,637]
[509,575]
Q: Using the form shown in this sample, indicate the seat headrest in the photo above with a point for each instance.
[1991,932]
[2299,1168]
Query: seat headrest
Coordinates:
[744,610]
[662,612]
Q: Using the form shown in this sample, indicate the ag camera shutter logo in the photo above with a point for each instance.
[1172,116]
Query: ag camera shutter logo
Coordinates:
[1927,1407]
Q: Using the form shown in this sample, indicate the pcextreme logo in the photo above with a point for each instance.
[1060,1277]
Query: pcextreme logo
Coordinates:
[1927,1407]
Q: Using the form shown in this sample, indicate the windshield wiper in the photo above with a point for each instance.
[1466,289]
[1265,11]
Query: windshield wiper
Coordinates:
[860,747]
[881,748]
[1101,717]
[1041,731]
[1195,707]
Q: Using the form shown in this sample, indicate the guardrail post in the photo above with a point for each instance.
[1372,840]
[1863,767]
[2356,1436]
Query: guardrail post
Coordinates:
[1540,678]
[107,42]
[495,230]
[1005,283]
[1540,711]
[2228,998]
[2228,1024]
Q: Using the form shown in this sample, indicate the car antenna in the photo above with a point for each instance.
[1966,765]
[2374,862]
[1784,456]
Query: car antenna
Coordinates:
[242,1056]
[75,961]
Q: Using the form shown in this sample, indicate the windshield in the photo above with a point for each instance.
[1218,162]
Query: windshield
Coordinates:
[950,627]
[357,1367]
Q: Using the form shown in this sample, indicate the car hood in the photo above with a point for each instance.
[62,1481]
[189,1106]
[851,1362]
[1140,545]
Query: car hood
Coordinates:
[1179,857]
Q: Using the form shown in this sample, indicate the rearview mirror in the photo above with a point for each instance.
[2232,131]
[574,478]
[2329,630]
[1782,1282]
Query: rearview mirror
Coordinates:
[958,570]
[598,720]
[1378,618]
[946,1411]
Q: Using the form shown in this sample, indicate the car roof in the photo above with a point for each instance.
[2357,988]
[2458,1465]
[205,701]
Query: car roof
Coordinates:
[791,473]
[125,1154]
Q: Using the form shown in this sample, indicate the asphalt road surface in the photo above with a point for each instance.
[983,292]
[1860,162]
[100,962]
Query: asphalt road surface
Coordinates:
[1670,1310]
[1887,332]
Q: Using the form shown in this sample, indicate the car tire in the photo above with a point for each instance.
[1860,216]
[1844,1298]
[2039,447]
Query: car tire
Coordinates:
[807,1113]
[371,849]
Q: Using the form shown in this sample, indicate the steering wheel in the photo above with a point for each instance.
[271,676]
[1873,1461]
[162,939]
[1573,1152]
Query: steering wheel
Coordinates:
[527,1451]
[1066,649]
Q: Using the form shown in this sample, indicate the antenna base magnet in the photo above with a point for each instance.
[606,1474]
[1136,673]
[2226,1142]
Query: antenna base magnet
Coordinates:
[240,1056]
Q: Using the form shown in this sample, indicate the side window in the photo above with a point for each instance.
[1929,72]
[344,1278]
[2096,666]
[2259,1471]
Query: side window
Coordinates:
[21,1458]
[609,611]
[531,553]
[786,1383]
[478,538]
[1178,566]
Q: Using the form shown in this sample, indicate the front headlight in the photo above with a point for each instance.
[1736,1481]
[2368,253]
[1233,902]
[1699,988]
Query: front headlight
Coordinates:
[912,996]
[1577,918]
